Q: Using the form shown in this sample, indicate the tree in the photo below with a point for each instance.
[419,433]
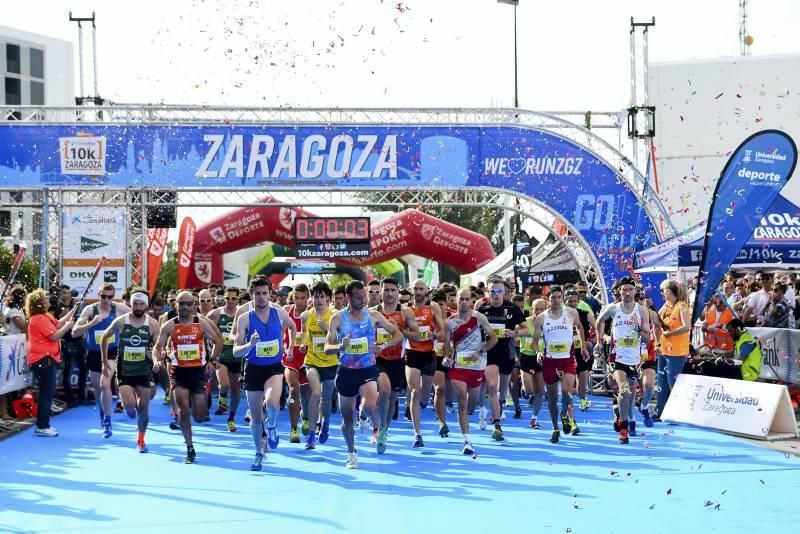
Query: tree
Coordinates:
[28,275]
[168,276]
[339,279]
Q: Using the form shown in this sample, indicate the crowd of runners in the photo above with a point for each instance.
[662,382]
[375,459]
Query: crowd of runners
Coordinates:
[356,349]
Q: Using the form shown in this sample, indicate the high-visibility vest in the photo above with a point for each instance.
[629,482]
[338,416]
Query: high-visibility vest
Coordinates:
[721,339]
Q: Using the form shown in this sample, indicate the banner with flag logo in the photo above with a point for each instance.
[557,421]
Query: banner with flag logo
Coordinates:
[752,178]
[185,250]
[90,233]
[156,243]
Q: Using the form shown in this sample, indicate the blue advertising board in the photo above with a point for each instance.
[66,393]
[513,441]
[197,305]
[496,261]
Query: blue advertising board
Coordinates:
[554,171]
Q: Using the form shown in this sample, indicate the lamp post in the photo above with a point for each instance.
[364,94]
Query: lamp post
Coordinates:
[514,3]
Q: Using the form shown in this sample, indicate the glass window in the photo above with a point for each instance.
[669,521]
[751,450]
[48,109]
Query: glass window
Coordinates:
[13,63]
[5,223]
[16,196]
[37,93]
[13,91]
[37,63]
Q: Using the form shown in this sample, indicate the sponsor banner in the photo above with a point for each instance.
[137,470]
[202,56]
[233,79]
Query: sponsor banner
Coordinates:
[752,178]
[752,409]
[333,249]
[571,180]
[156,244]
[311,267]
[14,371]
[780,349]
[89,234]
[186,250]
[84,155]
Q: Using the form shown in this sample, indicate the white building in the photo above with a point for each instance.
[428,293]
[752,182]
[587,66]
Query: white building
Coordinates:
[36,70]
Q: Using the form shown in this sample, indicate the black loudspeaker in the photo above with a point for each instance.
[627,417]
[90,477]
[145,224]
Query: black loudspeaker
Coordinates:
[162,216]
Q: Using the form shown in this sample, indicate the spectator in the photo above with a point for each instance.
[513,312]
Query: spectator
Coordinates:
[13,314]
[778,314]
[73,349]
[44,353]
[718,340]
[758,301]
[676,322]
[747,350]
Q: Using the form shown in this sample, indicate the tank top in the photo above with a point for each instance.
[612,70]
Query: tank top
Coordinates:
[557,335]
[225,325]
[269,349]
[467,343]
[316,339]
[526,347]
[625,335]
[362,338]
[674,345]
[298,339]
[427,329]
[95,333]
[395,352]
[133,345]
[188,348]
[583,317]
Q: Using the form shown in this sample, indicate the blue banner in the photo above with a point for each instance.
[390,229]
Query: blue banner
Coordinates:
[752,178]
[556,172]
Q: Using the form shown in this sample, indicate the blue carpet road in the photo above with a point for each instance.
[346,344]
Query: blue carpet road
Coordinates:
[669,479]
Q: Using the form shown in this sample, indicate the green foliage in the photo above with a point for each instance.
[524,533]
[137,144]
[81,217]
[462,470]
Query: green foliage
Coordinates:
[28,274]
[339,279]
[168,276]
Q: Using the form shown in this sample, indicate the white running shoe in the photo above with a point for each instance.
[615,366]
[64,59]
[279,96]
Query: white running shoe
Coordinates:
[48,432]
[352,460]
[483,418]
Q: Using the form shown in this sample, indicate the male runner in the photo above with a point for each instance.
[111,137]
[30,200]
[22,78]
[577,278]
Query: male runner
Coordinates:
[532,379]
[352,335]
[584,365]
[467,362]
[504,318]
[420,361]
[293,371]
[94,320]
[557,325]
[629,329]
[206,301]
[389,360]
[339,298]
[259,335]
[189,362]
[136,332]
[230,367]
[320,367]
[442,390]
[373,293]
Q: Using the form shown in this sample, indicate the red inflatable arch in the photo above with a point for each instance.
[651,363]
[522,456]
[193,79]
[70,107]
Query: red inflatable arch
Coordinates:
[408,232]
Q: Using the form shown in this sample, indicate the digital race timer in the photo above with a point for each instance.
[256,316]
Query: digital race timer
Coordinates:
[340,229]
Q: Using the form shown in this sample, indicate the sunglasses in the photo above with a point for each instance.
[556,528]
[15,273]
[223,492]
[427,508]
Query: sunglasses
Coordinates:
[497,291]
[374,292]
[171,301]
[106,297]
[186,303]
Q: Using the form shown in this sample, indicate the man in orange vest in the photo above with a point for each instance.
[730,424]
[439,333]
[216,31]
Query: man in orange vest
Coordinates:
[717,338]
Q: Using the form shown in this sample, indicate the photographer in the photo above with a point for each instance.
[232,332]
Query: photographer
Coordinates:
[73,349]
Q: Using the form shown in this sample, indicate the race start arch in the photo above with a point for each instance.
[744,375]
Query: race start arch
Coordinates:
[537,164]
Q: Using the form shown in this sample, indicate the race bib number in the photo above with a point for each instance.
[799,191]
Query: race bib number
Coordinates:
[298,339]
[499,329]
[318,345]
[645,354]
[557,347]
[188,352]
[359,345]
[424,333]
[629,342]
[576,342]
[134,354]
[468,360]
[267,349]
[438,348]
[98,337]
[227,338]
[526,344]
[383,336]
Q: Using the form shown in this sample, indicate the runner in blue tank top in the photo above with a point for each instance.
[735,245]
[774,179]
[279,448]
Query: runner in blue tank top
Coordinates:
[259,338]
[351,335]
[93,322]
